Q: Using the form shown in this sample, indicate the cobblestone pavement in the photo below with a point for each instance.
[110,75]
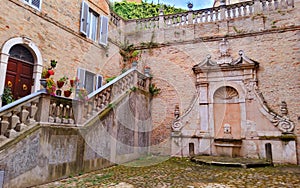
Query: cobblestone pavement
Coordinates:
[181,172]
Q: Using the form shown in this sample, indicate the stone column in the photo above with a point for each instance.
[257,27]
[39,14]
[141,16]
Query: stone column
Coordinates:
[3,67]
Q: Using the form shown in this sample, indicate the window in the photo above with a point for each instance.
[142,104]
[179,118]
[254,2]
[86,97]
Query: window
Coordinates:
[92,25]
[88,80]
[37,4]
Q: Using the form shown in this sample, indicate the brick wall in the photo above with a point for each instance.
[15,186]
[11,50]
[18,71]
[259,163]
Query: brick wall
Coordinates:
[271,38]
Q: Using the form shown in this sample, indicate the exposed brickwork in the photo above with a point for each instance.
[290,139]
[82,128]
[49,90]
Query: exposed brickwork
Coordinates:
[272,39]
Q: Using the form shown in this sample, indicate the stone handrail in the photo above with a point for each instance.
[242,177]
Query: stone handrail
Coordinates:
[109,93]
[41,108]
[214,14]
[19,115]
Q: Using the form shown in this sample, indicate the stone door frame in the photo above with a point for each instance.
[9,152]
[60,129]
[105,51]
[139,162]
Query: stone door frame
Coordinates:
[4,56]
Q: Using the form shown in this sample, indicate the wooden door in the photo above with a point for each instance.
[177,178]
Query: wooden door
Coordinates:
[19,77]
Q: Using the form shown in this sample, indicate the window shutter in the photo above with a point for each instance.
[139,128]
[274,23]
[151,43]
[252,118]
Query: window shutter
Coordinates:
[84,18]
[99,82]
[81,77]
[36,3]
[103,30]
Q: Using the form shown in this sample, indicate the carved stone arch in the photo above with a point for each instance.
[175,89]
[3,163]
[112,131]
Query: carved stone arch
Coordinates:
[226,93]
[234,86]
[4,56]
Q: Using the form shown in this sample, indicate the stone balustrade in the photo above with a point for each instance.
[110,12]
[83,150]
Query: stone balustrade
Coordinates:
[176,19]
[214,14]
[41,108]
[19,115]
[105,96]
[61,111]
[115,19]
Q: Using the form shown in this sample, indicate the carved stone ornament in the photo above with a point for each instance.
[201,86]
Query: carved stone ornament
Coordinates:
[225,57]
[285,125]
[177,125]
[250,86]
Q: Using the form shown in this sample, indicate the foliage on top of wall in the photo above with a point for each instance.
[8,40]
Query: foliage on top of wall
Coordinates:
[131,10]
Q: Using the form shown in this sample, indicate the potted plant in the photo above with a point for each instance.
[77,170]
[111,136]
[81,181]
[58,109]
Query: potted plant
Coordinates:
[7,96]
[74,82]
[53,63]
[50,86]
[67,93]
[62,81]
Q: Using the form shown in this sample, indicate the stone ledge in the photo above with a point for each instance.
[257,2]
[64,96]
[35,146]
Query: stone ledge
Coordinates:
[230,162]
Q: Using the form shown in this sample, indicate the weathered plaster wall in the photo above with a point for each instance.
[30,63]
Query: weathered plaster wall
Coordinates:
[47,153]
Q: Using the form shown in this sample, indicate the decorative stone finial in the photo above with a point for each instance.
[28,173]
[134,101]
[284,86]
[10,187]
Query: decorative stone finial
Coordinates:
[283,108]
[176,111]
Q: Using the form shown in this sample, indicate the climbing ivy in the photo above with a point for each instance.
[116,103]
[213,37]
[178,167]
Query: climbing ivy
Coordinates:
[131,10]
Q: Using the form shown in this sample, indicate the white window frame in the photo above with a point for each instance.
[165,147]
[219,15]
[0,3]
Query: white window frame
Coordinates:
[29,2]
[93,25]
[81,74]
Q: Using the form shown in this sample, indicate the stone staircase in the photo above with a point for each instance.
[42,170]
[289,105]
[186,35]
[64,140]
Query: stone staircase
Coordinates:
[44,138]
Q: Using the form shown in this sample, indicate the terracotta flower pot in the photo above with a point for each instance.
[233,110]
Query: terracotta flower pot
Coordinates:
[67,93]
[72,83]
[60,84]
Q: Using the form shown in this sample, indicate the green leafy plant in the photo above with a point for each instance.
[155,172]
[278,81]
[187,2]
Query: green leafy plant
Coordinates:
[7,96]
[154,90]
[131,10]
[110,79]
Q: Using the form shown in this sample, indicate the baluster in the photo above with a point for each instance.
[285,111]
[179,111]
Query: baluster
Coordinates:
[52,113]
[233,9]
[15,119]
[5,124]
[65,115]
[90,109]
[98,102]
[276,4]
[71,115]
[270,8]
[94,101]
[23,118]
[206,16]
[11,133]
[239,10]
[245,10]
[283,4]
[58,113]
[217,15]
[264,5]
[250,9]
[102,105]
[228,13]
[211,15]
[32,110]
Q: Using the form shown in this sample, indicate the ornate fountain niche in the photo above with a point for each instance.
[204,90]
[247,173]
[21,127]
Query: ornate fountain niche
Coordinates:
[234,118]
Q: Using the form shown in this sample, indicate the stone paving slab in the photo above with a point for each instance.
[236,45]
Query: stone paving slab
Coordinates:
[181,172]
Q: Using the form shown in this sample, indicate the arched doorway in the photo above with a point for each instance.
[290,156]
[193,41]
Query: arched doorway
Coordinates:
[13,50]
[19,73]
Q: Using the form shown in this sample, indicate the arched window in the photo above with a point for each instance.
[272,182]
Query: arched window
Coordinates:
[20,52]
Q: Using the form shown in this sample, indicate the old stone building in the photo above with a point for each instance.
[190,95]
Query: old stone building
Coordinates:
[229,80]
